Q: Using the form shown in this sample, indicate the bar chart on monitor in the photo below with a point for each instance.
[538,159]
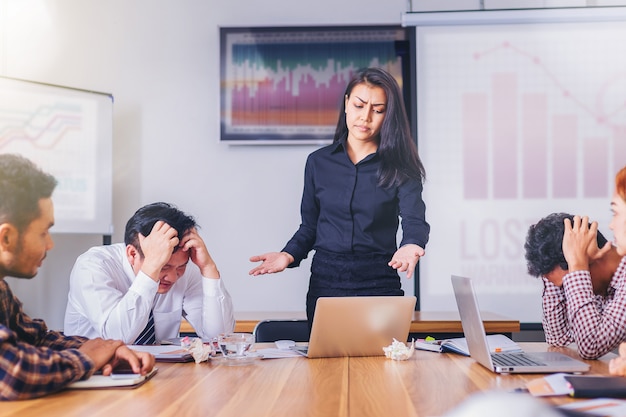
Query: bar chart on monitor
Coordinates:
[288,83]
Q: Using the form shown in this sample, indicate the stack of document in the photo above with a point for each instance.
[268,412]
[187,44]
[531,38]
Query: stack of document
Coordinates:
[275,353]
[165,353]
[603,387]
[497,343]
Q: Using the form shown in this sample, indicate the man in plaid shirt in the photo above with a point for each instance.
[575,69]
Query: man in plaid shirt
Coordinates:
[584,302]
[33,360]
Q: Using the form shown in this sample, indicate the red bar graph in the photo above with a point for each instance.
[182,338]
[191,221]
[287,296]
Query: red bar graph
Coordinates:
[596,179]
[619,151]
[564,163]
[475,142]
[535,143]
[504,135]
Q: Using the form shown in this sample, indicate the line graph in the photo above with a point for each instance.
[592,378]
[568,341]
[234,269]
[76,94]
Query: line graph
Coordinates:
[44,128]
[527,139]
[59,133]
[602,116]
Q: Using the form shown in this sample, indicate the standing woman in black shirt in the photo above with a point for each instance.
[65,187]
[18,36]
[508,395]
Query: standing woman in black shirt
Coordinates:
[355,192]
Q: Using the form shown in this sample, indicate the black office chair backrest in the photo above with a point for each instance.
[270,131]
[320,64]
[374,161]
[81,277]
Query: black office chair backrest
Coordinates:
[273,330]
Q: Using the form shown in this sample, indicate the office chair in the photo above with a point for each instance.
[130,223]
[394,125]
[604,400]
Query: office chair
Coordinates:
[273,330]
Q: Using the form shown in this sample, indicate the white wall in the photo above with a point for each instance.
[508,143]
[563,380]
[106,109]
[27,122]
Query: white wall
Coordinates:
[159,58]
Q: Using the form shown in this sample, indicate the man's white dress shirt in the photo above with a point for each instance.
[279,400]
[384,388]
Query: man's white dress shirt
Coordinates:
[107,300]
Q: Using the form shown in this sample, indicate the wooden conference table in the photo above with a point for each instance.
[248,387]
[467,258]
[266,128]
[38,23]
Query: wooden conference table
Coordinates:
[423,321]
[428,384]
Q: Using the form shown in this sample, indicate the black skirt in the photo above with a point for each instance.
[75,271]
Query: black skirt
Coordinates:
[349,275]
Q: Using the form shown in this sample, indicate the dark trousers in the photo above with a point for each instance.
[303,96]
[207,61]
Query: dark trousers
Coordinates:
[349,275]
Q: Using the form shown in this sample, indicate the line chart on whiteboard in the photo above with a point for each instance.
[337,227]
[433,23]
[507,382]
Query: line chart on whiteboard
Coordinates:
[55,133]
[45,128]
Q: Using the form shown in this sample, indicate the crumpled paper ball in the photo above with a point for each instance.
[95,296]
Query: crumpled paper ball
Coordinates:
[399,351]
[199,350]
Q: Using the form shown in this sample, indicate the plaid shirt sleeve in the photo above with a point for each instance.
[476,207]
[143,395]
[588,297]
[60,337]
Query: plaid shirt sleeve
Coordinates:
[33,360]
[555,324]
[598,328]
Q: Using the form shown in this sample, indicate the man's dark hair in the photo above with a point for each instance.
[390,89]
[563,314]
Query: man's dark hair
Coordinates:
[144,219]
[544,244]
[22,185]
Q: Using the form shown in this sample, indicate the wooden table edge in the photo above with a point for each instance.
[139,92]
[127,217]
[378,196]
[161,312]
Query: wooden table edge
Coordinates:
[417,325]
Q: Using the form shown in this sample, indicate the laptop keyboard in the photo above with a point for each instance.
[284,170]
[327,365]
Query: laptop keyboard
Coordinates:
[514,359]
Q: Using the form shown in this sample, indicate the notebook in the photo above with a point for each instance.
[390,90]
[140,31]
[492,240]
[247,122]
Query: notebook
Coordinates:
[116,380]
[524,362]
[496,343]
[585,386]
[358,326]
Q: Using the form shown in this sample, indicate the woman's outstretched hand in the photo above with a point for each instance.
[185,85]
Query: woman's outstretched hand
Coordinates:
[272,262]
[405,259]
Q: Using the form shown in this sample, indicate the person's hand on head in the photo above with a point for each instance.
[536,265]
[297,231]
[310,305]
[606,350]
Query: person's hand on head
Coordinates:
[106,354]
[593,251]
[578,237]
[199,254]
[157,248]
[406,257]
[272,262]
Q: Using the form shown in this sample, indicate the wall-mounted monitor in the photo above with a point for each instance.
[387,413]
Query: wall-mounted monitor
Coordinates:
[285,85]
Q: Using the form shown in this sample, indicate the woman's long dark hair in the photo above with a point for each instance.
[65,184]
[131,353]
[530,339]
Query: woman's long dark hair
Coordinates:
[396,148]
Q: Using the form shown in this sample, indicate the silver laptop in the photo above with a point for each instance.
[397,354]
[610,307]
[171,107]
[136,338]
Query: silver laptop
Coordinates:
[358,326]
[526,362]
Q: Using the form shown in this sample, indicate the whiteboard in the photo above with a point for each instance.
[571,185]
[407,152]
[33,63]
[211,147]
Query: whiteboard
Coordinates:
[520,114]
[67,132]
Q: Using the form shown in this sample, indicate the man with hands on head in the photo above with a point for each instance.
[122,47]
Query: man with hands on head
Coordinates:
[149,283]
[584,299]
[545,258]
[35,361]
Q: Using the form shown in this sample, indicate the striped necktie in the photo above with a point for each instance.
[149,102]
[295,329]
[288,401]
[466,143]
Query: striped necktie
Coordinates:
[147,336]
